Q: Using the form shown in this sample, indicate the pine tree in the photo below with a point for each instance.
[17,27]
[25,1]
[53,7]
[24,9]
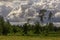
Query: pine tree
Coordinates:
[25,29]
[37,28]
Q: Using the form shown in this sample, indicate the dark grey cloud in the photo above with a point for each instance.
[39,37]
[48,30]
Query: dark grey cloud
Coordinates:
[4,11]
[6,0]
[28,9]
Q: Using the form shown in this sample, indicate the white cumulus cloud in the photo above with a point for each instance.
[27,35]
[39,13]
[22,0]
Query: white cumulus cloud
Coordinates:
[23,9]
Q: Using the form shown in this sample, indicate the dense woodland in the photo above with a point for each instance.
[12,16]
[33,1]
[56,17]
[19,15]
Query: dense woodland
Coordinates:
[27,29]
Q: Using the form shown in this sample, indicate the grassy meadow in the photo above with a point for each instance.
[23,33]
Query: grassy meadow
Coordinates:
[27,38]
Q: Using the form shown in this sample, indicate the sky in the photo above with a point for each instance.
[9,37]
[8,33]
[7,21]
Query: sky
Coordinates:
[24,9]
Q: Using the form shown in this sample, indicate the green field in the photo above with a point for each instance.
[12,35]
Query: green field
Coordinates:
[27,38]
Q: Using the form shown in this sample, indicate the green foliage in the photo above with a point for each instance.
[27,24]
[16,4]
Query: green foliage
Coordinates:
[51,26]
[46,30]
[1,24]
[1,30]
[25,29]
[37,28]
[6,28]
[16,29]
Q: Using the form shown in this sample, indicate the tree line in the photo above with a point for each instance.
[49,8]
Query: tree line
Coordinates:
[27,29]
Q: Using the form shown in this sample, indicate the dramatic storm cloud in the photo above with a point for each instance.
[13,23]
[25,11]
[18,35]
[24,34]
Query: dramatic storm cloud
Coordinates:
[21,10]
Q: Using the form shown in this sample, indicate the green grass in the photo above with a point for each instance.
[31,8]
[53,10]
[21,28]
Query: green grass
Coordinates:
[28,38]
